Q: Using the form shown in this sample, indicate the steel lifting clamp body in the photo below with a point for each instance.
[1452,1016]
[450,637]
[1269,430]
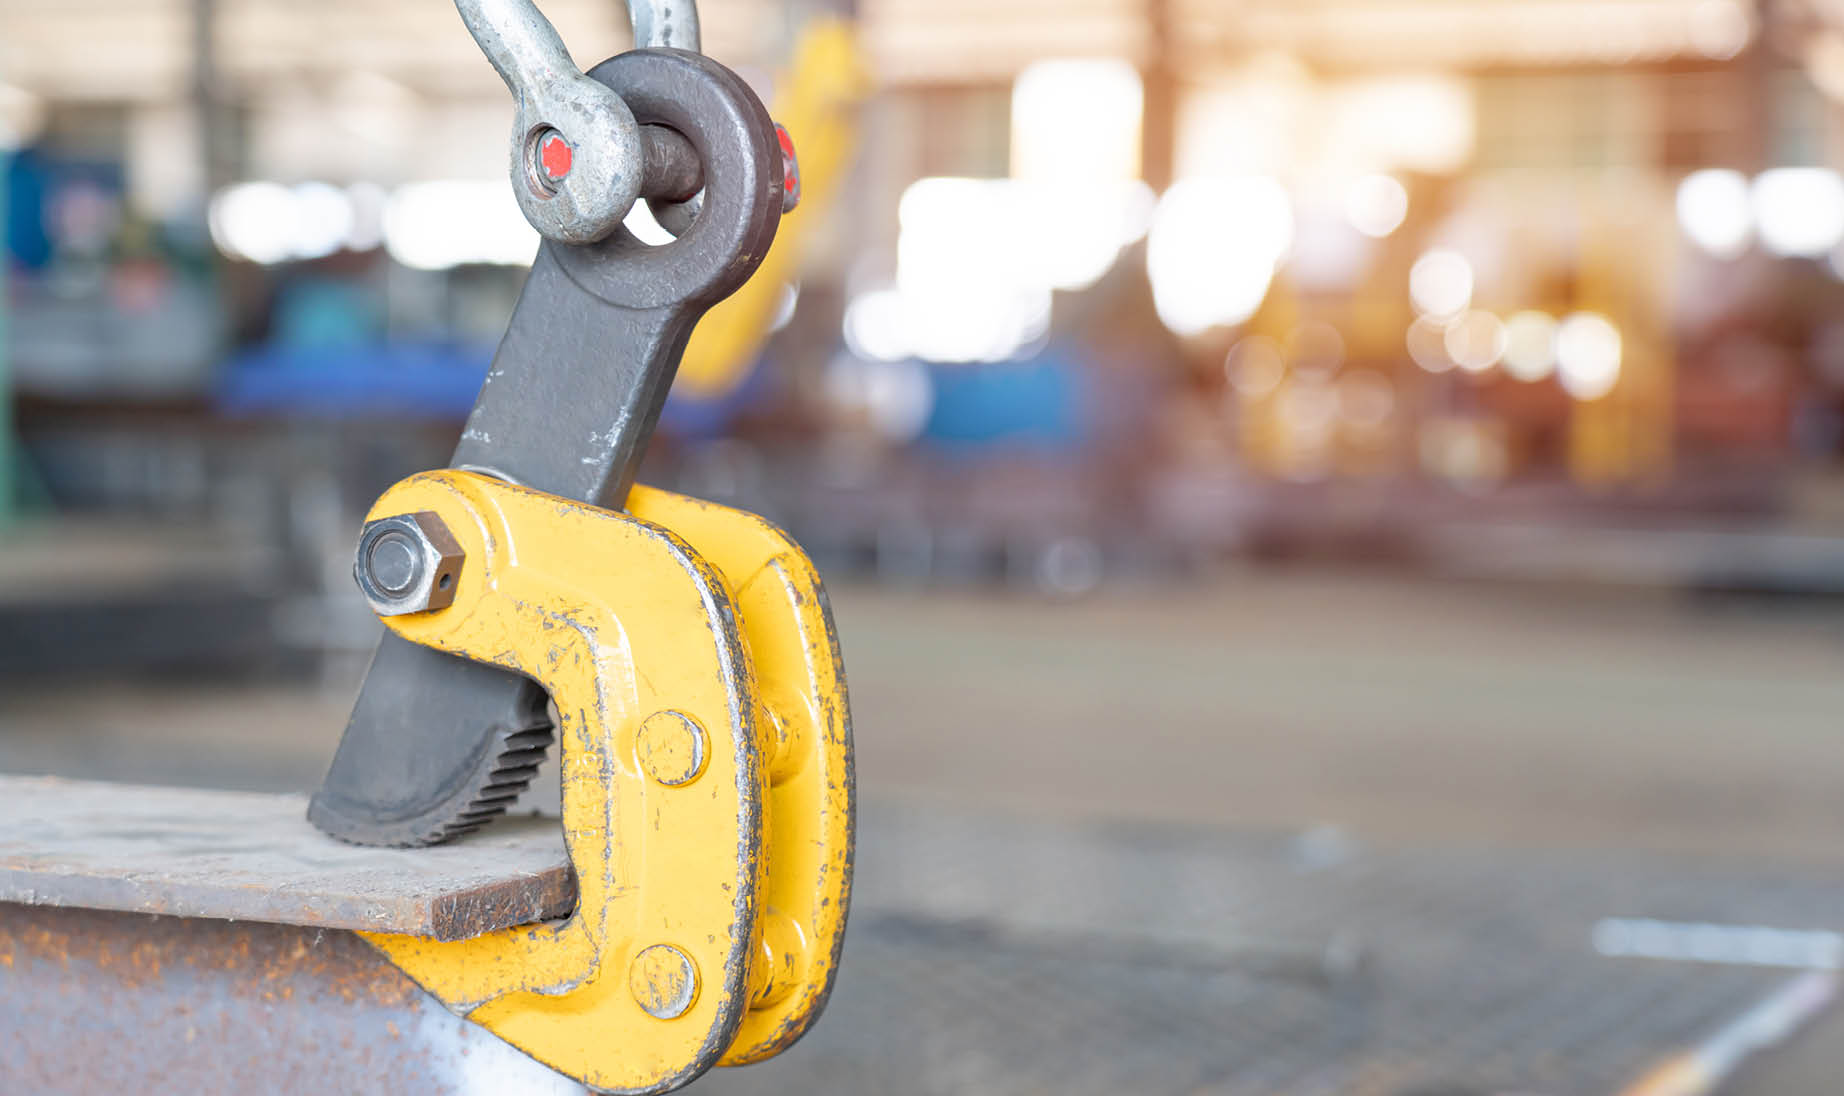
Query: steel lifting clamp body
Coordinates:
[687,648]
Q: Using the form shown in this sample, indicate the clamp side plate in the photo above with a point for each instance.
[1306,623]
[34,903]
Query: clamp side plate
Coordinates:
[811,807]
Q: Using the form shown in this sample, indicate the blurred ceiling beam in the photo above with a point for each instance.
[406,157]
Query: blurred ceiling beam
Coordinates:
[128,50]
[141,50]
[1471,33]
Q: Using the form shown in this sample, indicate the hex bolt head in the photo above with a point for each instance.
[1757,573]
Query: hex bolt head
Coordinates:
[409,563]
[664,982]
[671,746]
[395,562]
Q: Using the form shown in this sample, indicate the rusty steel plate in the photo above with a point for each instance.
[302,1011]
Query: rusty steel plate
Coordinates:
[238,856]
[102,1002]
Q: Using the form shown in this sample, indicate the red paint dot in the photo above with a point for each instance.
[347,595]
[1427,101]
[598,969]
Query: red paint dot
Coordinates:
[790,180]
[556,157]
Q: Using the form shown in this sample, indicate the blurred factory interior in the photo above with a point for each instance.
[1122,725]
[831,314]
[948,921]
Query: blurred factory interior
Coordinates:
[1405,424]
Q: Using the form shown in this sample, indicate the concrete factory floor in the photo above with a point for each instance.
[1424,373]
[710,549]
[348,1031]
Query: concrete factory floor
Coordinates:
[1404,712]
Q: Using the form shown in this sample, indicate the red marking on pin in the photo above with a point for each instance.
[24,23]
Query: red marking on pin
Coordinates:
[556,157]
[790,170]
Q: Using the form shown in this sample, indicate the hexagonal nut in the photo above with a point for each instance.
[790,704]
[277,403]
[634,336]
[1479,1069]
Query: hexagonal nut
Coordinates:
[409,563]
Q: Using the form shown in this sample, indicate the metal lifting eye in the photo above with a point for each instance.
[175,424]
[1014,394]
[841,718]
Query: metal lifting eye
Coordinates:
[578,158]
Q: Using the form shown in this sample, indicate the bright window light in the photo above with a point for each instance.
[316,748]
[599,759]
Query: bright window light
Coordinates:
[269,223]
[1010,234]
[978,259]
[875,326]
[22,114]
[1077,119]
[443,224]
[323,220]
[1716,212]
[1800,210]
[1720,29]
[254,221]
[1067,236]
[1410,122]
[895,325]
[1213,250]
[368,203]
[965,288]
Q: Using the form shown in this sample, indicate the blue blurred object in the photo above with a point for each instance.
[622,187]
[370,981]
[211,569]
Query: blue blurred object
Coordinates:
[403,380]
[1038,403]
[315,368]
[325,312]
[27,180]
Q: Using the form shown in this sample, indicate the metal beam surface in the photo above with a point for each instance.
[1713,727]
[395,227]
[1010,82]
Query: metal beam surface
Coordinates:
[122,1002]
[238,856]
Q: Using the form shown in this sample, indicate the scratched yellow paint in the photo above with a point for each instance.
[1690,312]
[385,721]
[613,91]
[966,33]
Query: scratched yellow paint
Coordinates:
[622,619]
[788,630]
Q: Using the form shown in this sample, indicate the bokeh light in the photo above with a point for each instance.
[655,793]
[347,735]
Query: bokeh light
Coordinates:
[1441,283]
[1800,210]
[1476,341]
[447,223]
[1720,29]
[1077,118]
[1213,250]
[1427,345]
[254,221]
[1588,355]
[1530,346]
[1376,205]
[1716,211]
[1255,367]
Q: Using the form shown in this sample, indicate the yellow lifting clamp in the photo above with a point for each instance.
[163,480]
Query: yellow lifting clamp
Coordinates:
[707,777]
[686,649]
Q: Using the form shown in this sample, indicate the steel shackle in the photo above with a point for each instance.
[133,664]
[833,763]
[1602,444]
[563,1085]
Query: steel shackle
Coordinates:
[579,161]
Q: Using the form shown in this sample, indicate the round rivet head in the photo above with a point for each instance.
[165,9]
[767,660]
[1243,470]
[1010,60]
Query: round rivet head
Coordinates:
[664,982]
[672,748]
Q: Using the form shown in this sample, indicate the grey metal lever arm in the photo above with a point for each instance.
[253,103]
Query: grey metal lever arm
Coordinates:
[437,746]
